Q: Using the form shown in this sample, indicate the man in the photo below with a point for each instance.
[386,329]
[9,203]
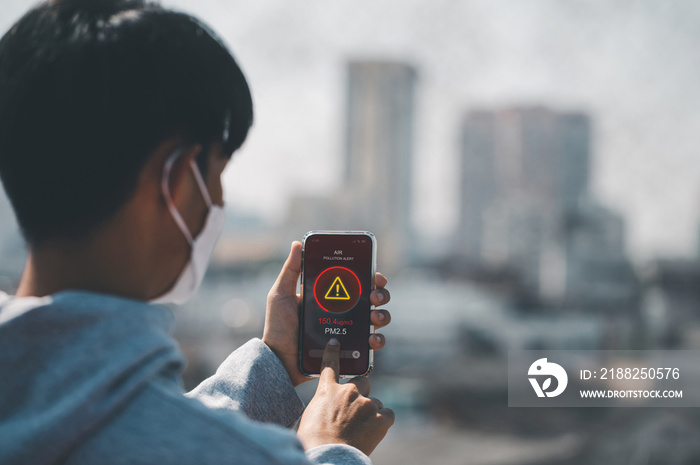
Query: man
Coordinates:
[117,118]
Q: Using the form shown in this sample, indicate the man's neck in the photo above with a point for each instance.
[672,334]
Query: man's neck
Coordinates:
[101,264]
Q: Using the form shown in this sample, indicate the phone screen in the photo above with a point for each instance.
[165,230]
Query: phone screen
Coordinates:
[337,281]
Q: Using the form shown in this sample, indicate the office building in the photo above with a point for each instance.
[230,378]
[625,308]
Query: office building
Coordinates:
[378,155]
[525,205]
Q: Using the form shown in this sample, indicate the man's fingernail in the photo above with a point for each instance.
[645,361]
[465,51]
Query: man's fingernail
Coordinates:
[380,295]
[333,342]
[381,316]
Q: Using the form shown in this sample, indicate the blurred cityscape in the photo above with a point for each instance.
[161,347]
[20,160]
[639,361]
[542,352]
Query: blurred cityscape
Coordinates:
[536,262]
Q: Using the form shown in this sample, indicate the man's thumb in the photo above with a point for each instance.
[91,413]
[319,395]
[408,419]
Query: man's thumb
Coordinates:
[286,283]
[330,365]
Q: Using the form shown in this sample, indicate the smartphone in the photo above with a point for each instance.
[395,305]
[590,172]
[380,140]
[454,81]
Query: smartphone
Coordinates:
[336,281]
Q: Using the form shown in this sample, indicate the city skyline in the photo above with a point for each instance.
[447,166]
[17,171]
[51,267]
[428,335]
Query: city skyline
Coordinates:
[630,65]
[626,64]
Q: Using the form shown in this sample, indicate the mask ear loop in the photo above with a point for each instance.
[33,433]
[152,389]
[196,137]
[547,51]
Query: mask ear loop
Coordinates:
[202,185]
[165,185]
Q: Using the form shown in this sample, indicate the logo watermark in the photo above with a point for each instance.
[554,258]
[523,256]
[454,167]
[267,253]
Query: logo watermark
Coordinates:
[604,378]
[547,371]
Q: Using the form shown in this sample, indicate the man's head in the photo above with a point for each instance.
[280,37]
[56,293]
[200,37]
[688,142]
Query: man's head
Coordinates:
[90,90]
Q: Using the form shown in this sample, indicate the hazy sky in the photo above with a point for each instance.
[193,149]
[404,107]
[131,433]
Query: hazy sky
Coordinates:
[633,64]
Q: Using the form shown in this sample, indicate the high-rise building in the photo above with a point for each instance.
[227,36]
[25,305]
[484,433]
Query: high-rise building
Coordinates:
[574,146]
[541,156]
[478,183]
[525,204]
[518,163]
[379,150]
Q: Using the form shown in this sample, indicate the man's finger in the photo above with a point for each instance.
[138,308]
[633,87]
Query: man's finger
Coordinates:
[286,283]
[380,318]
[387,415]
[362,383]
[380,280]
[380,296]
[330,365]
[377,341]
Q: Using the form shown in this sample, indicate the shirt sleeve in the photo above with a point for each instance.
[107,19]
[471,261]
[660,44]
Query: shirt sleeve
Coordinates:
[252,380]
[162,426]
[337,454]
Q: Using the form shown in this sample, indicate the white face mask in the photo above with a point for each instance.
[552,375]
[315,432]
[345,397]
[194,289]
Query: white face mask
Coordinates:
[202,247]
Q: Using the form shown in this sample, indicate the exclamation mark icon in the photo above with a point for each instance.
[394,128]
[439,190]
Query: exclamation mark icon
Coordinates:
[337,291]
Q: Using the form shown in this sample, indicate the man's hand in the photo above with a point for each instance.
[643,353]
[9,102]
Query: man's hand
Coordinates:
[342,413]
[282,316]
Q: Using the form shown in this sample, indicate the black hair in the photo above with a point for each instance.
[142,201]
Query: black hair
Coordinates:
[88,89]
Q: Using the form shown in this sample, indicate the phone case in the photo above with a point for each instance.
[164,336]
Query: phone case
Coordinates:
[373,271]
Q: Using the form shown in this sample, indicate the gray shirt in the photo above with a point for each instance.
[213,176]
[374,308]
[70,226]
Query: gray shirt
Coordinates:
[87,378]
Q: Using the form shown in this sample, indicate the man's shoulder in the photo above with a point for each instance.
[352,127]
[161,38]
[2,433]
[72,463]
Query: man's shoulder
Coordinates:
[161,425]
